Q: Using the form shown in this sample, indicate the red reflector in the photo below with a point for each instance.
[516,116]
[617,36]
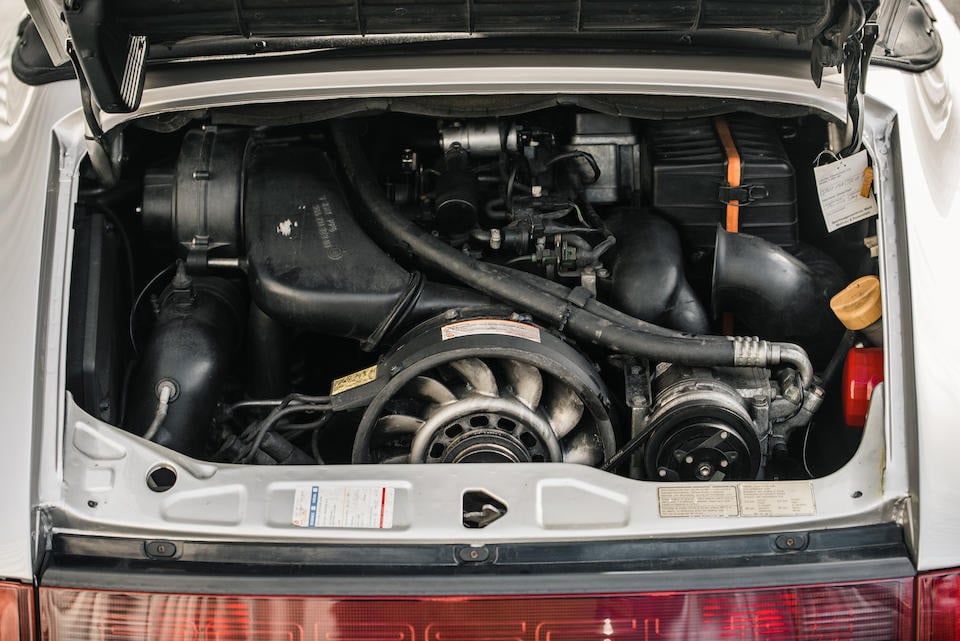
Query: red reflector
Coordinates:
[938,605]
[872,611]
[16,612]
[862,372]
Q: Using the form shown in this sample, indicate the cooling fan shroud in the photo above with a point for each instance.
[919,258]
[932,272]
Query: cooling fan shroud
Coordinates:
[494,397]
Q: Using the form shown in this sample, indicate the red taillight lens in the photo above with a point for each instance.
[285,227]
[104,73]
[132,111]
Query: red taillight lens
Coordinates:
[16,612]
[938,605]
[880,610]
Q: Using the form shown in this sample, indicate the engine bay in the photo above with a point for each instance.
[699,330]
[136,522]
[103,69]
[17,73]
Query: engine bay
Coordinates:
[657,298]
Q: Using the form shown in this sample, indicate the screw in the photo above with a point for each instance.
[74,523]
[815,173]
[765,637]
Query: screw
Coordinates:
[724,463]
[476,554]
[689,459]
[791,541]
[662,472]
[705,470]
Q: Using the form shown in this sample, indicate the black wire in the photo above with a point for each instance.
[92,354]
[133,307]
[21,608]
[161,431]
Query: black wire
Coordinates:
[306,427]
[271,420]
[579,154]
[258,403]
[127,247]
[837,360]
[139,299]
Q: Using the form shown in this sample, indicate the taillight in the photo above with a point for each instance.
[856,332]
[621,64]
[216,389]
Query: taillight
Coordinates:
[16,612]
[879,610]
[938,605]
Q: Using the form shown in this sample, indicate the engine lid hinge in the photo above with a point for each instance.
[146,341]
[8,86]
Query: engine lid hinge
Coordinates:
[93,134]
[848,46]
[112,62]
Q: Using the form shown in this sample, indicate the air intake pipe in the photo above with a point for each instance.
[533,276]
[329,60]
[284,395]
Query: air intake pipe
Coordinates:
[774,293]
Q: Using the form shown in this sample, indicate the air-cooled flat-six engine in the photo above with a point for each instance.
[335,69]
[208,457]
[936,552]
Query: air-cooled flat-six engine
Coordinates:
[579,288]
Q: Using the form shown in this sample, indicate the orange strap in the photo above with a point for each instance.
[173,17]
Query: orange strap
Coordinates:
[733,172]
[733,206]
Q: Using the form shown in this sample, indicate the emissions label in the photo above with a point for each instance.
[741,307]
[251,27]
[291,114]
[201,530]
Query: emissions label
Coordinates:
[368,507]
[490,326]
[783,498]
[698,500]
[761,499]
[356,379]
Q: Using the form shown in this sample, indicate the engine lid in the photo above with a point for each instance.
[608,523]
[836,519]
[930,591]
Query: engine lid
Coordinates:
[111,41]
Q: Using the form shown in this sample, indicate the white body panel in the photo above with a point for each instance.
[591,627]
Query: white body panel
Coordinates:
[33,410]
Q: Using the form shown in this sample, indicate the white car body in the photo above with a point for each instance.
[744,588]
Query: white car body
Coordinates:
[61,469]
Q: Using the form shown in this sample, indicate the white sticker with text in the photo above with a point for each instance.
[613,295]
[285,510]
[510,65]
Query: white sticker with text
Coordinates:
[839,186]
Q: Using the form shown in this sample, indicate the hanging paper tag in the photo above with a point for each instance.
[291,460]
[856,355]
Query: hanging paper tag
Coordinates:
[839,185]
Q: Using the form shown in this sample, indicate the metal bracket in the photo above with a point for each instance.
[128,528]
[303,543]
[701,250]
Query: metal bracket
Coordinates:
[743,195]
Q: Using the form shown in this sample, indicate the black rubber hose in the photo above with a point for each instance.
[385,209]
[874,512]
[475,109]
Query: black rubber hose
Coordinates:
[501,284]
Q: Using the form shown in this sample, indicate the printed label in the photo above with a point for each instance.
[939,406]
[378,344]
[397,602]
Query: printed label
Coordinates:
[782,498]
[490,326]
[698,501]
[356,379]
[369,507]
[839,186]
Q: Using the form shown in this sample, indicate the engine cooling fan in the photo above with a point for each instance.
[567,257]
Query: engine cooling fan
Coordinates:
[486,390]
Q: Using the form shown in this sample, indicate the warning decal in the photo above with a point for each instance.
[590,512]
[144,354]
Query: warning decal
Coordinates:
[344,507]
[356,379]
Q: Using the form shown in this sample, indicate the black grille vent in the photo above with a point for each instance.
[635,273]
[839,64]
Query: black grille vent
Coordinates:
[177,19]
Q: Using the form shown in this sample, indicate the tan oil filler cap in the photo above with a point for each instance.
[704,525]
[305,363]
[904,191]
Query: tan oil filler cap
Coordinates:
[858,306]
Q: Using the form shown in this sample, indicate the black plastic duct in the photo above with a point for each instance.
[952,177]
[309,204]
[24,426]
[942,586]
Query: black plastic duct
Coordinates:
[775,293]
[310,263]
[193,346]
[648,278]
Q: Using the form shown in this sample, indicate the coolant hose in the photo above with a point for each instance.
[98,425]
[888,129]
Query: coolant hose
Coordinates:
[563,309]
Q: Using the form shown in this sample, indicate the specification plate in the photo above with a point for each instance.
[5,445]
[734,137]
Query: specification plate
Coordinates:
[698,501]
[761,499]
[777,499]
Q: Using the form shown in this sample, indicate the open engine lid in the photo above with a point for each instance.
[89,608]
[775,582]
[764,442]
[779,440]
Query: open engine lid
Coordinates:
[111,41]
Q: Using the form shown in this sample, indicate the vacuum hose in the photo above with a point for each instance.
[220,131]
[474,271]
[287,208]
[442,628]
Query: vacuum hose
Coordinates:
[566,309]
